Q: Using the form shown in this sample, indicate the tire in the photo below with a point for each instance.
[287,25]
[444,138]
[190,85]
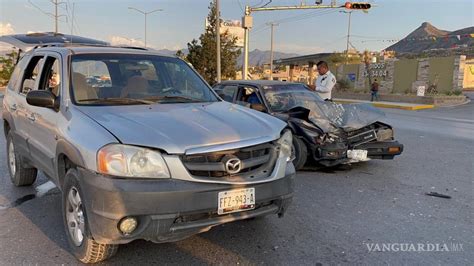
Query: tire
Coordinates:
[19,174]
[301,153]
[82,244]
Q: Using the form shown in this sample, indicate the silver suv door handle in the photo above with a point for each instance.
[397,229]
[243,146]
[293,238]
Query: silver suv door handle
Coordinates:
[32,117]
[13,107]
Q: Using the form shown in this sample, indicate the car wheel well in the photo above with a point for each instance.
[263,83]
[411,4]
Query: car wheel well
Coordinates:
[6,127]
[64,164]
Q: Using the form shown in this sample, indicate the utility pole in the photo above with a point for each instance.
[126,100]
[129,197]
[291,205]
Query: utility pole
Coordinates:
[145,14]
[218,40]
[272,25]
[348,35]
[56,16]
[72,20]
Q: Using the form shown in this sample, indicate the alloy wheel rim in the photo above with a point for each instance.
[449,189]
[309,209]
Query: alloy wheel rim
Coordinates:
[11,158]
[75,216]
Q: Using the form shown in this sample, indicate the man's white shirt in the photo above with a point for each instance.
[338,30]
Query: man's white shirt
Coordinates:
[324,85]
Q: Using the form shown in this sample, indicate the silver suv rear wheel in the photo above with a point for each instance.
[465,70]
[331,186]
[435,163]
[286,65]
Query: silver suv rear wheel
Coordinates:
[11,159]
[20,173]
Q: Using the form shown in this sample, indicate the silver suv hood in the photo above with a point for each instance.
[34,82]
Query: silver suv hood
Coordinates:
[181,128]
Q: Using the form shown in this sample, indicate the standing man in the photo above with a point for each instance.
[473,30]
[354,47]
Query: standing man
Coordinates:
[375,89]
[325,81]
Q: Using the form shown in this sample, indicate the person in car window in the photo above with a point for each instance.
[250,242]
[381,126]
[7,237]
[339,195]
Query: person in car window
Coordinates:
[53,83]
[325,81]
[253,98]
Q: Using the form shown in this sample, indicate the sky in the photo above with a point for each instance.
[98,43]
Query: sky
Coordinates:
[301,32]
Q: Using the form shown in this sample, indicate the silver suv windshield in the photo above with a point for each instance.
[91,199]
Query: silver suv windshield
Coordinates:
[282,98]
[124,79]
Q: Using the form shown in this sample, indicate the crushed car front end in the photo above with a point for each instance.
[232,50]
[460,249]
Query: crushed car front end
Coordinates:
[375,141]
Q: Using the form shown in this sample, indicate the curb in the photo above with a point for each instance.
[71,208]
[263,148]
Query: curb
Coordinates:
[393,105]
[447,106]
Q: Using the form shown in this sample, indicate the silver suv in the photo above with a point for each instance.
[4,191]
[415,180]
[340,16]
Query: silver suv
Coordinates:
[140,146]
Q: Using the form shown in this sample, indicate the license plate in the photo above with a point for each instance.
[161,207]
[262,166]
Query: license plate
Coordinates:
[236,200]
[362,138]
[359,155]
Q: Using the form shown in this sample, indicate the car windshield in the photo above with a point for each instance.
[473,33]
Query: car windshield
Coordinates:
[282,98]
[129,79]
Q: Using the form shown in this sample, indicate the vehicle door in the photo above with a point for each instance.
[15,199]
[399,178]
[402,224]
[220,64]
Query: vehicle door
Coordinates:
[28,82]
[43,121]
[10,103]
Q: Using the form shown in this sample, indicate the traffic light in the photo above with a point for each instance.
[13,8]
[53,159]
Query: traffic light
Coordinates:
[357,5]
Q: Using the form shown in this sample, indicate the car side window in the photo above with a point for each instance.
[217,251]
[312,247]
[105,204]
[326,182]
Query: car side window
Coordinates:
[228,92]
[31,74]
[248,96]
[16,75]
[51,76]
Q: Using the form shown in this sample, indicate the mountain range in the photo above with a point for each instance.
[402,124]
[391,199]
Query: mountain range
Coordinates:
[428,37]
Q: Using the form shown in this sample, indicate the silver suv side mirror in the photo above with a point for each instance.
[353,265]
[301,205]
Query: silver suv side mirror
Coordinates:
[42,98]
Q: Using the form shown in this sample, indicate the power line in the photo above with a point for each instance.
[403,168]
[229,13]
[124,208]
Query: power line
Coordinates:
[56,16]
[290,19]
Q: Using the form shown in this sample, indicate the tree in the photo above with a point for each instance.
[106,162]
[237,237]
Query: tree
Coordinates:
[340,58]
[7,65]
[202,52]
[180,54]
[367,59]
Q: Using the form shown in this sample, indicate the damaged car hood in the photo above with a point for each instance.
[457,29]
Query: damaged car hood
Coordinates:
[178,128]
[330,116]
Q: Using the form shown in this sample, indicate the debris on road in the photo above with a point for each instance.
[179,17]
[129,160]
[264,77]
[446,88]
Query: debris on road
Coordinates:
[436,194]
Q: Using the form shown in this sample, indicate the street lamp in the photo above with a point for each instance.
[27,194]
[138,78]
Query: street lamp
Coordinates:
[348,34]
[146,14]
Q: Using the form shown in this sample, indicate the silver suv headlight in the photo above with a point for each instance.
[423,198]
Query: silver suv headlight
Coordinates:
[286,145]
[131,161]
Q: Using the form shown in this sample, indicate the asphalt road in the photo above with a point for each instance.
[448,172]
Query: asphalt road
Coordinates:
[339,215]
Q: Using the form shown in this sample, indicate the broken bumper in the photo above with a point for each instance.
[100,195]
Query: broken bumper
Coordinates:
[385,150]
[169,209]
[331,155]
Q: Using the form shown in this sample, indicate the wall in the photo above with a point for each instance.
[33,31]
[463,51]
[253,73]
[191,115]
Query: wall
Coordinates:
[441,73]
[468,83]
[402,76]
[405,74]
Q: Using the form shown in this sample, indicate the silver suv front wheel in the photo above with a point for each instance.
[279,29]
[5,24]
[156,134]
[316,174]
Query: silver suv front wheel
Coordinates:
[75,216]
[80,239]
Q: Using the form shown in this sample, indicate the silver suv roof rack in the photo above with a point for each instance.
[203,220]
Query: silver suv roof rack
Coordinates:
[68,44]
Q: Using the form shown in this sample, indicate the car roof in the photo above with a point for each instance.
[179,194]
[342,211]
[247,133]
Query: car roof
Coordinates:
[87,49]
[50,41]
[260,82]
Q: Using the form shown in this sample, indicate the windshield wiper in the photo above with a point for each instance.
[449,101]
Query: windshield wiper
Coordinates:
[118,100]
[177,97]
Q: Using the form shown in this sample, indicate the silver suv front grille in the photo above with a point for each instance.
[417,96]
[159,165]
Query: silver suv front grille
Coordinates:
[256,162]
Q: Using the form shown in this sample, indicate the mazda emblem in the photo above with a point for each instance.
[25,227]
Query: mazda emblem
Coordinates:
[233,165]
